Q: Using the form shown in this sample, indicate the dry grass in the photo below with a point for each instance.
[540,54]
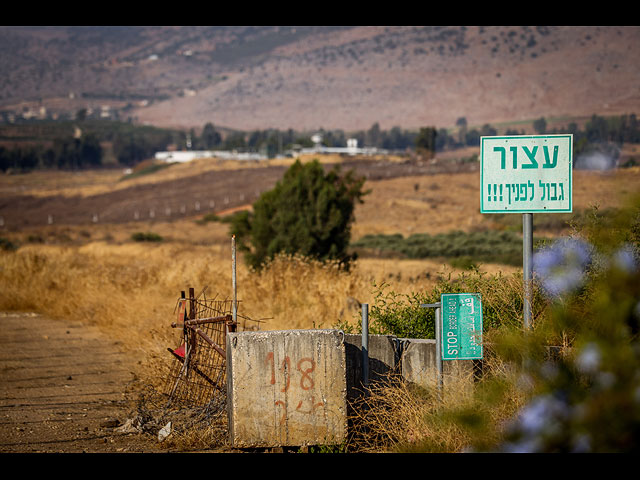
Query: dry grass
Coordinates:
[399,417]
[99,276]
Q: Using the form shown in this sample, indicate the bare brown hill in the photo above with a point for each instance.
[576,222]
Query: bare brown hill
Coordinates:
[329,77]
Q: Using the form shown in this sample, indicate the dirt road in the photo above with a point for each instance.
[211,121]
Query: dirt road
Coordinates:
[64,388]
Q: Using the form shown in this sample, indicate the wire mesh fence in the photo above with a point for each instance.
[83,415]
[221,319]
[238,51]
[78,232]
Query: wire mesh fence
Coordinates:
[197,377]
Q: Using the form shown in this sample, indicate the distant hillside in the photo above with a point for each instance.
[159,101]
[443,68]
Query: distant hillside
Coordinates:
[313,77]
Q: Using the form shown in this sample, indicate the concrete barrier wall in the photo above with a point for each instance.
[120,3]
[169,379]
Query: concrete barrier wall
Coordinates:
[383,359]
[414,359]
[286,388]
[419,365]
[292,387]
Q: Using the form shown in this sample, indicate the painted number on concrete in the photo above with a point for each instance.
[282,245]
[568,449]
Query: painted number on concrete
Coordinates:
[282,373]
[461,326]
[526,173]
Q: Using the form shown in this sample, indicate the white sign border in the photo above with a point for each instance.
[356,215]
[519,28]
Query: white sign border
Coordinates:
[527,210]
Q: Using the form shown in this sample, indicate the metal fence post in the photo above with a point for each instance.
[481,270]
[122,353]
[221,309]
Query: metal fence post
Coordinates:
[438,329]
[365,345]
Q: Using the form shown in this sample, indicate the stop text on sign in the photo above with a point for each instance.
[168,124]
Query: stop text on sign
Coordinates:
[526,173]
[461,326]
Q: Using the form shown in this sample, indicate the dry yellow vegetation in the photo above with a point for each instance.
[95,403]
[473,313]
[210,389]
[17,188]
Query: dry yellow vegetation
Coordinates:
[98,274]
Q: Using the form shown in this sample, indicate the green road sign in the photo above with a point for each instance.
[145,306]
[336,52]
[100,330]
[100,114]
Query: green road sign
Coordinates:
[526,173]
[461,326]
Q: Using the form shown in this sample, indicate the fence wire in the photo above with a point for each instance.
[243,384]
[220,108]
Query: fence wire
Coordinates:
[197,377]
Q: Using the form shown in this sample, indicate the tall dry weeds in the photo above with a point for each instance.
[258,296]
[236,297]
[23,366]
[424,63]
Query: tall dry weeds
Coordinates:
[130,290]
[465,415]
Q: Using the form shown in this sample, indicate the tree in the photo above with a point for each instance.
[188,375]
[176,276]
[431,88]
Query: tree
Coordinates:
[540,125]
[426,140]
[130,148]
[373,136]
[488,131]
[308,212]
[461,123]
[234,141]
[472,138]
[90,150]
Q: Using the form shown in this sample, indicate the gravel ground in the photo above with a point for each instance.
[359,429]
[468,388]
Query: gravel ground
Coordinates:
[64,388]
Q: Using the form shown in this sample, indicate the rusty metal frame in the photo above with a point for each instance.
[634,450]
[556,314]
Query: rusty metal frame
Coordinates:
[200,350]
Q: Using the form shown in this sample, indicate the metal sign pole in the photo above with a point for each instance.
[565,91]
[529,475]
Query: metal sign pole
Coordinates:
[439,350]
[526,174]
[527,270]
[365,345]
[234,285]
[438,329]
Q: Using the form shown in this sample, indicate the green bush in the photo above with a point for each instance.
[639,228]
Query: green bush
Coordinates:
[309,213]
[588,399]
[582,397]
[401,314]
[7,245]
[489,246]
[209,217]
[146,237]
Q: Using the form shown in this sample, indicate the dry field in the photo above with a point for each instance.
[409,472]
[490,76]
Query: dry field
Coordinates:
[96,275]
[107,271]
[200,255]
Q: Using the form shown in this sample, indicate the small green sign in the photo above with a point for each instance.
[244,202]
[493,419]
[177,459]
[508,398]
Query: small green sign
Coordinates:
[526,174]
[461,326]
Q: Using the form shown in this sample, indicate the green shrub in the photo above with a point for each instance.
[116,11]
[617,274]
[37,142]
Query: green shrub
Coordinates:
[585,397]
[7,245]
[489,246]
[309,213]
[401,314]
[209,217]
[463,263]
[146,237]
[587,400]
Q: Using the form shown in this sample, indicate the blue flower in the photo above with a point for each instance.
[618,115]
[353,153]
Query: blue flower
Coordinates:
[626,258]
[561,267]
[542,418]
[589,358]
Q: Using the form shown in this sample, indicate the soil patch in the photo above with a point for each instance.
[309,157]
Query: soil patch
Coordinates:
[212,191]
[65,388]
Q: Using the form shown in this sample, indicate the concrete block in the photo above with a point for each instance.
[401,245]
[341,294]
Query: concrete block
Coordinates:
[419,362]
[419,365]
[286,388]
[383,359]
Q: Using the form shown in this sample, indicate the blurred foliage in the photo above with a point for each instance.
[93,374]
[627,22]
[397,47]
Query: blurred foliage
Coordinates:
[571,383]
[587,400]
